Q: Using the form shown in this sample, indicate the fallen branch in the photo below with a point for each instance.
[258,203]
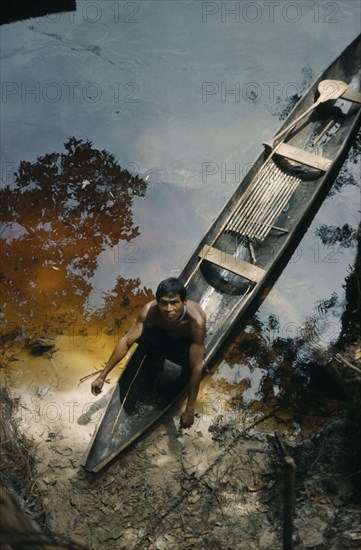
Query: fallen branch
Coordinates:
[344,361]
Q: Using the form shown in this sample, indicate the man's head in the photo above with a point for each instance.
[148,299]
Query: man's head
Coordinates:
[171,287]
[171,296]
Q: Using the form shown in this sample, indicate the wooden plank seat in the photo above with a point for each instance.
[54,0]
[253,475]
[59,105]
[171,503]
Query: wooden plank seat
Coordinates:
[352,96]
[235,265]
[304,157]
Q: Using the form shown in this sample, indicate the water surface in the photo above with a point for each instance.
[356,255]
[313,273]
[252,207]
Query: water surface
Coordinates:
[125,128]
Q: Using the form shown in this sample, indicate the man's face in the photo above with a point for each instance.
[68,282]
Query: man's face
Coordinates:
[171,307]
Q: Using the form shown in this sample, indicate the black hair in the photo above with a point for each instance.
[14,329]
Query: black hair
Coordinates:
[171,287]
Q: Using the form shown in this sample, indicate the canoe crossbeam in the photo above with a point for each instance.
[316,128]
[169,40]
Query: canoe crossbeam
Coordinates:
[304,157]
[230,263]
[262,203]
[350,95]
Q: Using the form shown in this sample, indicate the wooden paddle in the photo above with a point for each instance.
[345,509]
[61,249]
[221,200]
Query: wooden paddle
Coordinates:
[329,89]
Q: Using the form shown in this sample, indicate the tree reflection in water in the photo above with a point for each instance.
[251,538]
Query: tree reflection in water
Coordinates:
[57,216]
[276,379]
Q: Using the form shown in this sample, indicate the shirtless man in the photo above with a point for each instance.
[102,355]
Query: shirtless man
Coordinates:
[170,327]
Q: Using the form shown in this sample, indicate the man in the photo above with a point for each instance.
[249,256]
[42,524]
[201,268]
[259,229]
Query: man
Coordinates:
[170,327]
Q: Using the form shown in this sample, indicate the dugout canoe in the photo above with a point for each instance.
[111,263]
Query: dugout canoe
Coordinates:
[247,246]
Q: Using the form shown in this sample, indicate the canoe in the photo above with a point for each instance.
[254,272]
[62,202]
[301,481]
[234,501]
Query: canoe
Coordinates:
[246,247]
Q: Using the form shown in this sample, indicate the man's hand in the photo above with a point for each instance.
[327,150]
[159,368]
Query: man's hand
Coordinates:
[97,385]
[187,418]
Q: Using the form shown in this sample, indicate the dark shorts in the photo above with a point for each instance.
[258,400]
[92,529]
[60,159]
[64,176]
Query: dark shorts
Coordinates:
[157,344]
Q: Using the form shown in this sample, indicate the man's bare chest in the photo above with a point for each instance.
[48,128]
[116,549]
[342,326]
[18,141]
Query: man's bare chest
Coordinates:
[178,332]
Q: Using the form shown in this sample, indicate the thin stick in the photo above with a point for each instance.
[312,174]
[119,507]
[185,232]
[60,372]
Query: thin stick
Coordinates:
[251,251]
[271,210]
[289,502]
[90,375]
[275,227]
[128,390]
[255,190]
[257,201]
[288,494]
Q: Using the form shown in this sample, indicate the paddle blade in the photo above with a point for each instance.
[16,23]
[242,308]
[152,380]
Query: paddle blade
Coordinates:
[331,89]
[328,89]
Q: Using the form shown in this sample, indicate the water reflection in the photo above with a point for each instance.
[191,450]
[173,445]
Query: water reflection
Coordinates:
[350,171]
[280,377]
[332,235]
[276,380]
[58,215]
[283,105]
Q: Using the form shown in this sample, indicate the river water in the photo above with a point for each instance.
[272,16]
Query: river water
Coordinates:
[125,128]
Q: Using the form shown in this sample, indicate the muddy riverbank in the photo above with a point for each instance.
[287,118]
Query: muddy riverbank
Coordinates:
[218,485]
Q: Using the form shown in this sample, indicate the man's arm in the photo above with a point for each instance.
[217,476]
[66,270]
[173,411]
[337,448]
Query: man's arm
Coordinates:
[120,350]
[196,354]
[196,357]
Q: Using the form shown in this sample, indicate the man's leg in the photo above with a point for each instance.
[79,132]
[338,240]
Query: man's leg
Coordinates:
[151,343]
